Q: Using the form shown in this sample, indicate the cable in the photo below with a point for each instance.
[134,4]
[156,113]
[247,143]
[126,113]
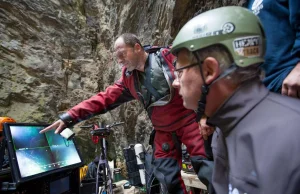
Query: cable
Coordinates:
[67,143]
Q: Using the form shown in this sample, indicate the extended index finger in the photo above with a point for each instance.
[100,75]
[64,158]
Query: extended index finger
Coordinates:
[47,129]
[51,127]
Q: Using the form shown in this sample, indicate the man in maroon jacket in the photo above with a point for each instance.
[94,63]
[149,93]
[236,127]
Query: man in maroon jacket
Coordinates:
[148,78]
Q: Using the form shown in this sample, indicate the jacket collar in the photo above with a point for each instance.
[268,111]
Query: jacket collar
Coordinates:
[245,98]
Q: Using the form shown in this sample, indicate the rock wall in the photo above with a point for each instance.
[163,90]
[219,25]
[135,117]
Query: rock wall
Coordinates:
[56,53]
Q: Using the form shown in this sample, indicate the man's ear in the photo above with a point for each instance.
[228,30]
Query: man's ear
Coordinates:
[211,69]
[137,47]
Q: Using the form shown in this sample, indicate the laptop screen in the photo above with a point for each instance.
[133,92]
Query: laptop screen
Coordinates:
[37,154]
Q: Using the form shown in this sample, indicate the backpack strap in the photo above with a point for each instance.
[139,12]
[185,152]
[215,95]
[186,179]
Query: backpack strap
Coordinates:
[152,49]
[148,84]
[165,58]
[165,65]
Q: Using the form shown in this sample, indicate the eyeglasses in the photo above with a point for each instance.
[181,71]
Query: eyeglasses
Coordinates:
[121,53]
[178,72]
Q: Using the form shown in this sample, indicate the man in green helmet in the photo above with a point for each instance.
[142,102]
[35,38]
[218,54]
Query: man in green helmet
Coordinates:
[256,142]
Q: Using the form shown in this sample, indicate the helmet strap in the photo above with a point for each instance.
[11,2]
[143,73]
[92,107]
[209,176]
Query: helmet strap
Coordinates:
[202,102]
[205,87]
[204,92]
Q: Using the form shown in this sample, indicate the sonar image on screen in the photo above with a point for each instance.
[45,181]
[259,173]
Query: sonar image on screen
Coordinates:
[38,153]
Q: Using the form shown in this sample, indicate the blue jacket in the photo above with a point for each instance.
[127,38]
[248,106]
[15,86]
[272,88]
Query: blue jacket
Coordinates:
[281,21]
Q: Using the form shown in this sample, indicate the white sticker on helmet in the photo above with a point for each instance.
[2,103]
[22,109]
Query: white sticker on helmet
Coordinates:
[227,28]
[200,30]
[249,46]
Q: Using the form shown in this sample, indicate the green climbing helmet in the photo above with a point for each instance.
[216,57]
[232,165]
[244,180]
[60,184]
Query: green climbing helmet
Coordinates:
[236,28]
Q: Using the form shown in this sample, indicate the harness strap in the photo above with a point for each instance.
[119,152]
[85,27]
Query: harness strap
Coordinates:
[151,142]
[177,144]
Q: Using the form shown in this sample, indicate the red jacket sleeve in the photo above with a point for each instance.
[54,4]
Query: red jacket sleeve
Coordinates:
[113,96]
